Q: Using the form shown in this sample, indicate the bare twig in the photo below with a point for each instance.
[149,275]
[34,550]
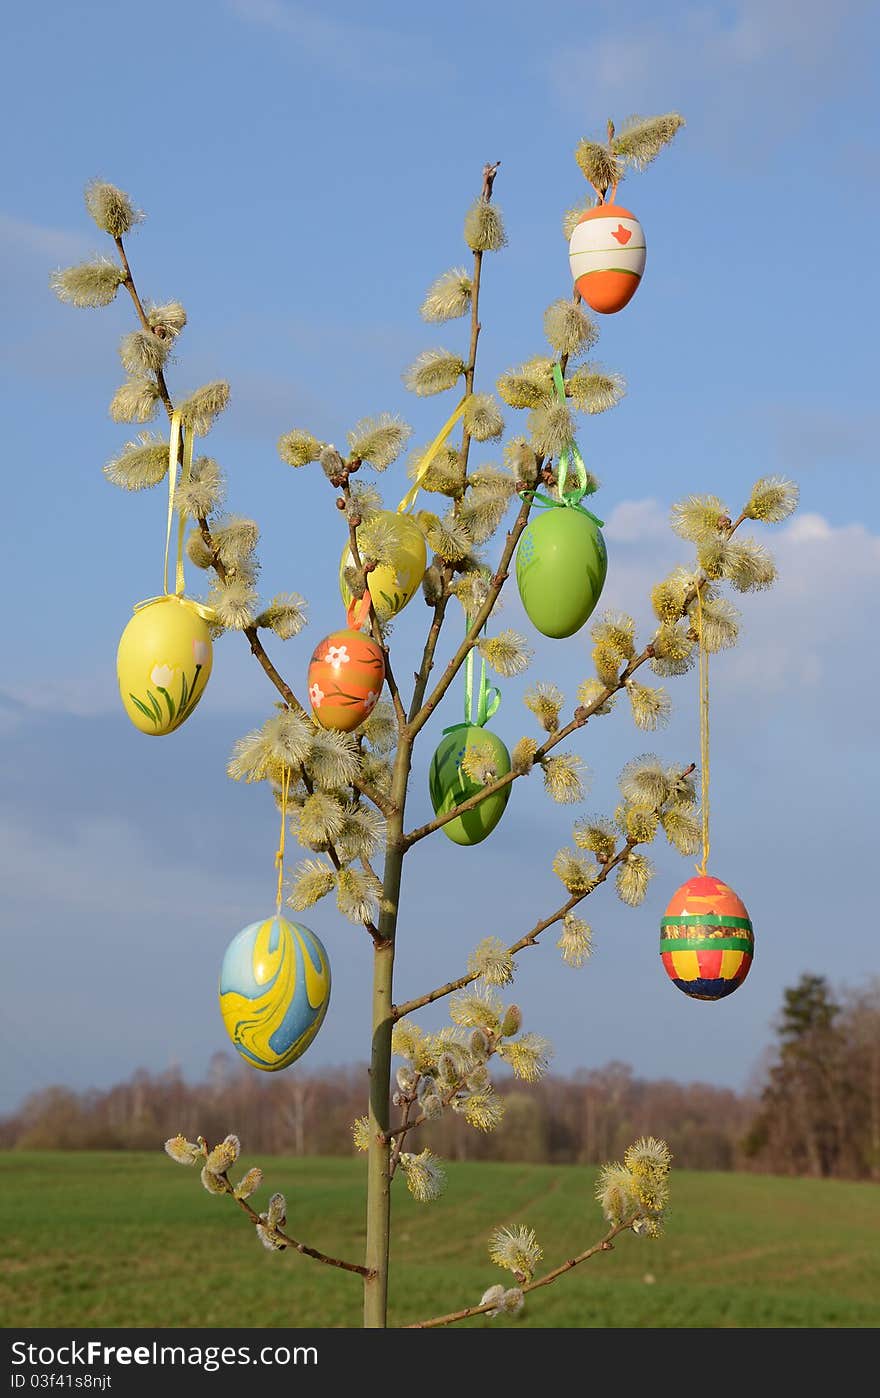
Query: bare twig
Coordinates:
[427,664]
[489,173]
[399,1135]
[292,1242]
[420,712]
[604,1245]
[417,723]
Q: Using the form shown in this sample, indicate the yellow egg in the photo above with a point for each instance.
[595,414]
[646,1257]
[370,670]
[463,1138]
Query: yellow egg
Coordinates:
[163,663]
[392,584]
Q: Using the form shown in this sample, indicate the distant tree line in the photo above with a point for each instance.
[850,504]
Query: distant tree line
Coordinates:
[819,1109]
[589,1117]
[815,1110]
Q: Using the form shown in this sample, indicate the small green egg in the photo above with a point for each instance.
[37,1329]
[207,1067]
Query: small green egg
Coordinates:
[449,785]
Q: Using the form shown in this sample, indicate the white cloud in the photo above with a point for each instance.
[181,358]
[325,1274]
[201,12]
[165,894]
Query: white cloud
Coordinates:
[807,528]
[829,436]
[83,696]
[632,521]
[817,613]
[820,606]
[343,48]
[818,610]
[102,865]
[750,63]
[49,341]
[33,239]
[240,687]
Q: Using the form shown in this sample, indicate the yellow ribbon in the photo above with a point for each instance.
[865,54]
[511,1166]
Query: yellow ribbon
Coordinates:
[279,853]
[424,465]
[704,733]
[186,472]
[206,613]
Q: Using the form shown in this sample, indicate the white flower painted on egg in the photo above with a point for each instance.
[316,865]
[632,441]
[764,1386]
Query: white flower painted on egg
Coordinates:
[337,655]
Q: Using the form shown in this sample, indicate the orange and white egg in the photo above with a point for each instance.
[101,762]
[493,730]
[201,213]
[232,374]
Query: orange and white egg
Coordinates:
[607,257]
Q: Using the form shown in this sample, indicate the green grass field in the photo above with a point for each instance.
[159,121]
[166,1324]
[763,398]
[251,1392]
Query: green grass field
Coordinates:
[134,1240]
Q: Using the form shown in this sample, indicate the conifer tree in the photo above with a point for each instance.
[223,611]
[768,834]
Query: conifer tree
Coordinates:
[346,793]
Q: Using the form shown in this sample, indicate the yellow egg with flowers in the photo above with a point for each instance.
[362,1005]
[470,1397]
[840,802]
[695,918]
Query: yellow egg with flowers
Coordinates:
[163,663]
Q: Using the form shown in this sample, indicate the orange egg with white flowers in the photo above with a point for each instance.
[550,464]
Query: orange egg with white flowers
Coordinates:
[346,675]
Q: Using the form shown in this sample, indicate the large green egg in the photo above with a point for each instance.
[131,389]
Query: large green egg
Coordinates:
[449,785]
[561,564]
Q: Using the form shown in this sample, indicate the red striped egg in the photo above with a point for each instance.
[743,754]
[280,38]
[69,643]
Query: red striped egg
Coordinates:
[706,939]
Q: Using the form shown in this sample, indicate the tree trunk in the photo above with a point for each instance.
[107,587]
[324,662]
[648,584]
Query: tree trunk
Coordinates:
[874,1094]
[378,1178]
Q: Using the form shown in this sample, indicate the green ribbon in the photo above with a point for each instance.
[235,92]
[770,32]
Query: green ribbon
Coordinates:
[570,454]
[541,502]
[488,695]
[705,920]
[707,944]
[569,458]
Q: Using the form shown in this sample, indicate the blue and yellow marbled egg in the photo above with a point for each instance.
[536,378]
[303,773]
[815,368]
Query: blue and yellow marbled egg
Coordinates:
[274,991]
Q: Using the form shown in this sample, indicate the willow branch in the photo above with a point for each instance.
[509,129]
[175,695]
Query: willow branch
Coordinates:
[132,290]
[250,632]
[369,924]
[292,1242]
[470,371]
[420,712]
[424,670]
[529,940]
[256,645]
[418,722]
[581,715]
[427,665]
[605,1244]
[399,1135]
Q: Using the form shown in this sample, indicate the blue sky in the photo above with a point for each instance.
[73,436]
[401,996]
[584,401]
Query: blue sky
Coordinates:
[305,174]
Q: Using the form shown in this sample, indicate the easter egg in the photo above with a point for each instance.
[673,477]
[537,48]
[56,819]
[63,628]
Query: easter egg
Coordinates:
[561,564]
[392,584]
[449,785]
[346,676]
[274,991]
[706,939]
[163,663]
[607,257]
